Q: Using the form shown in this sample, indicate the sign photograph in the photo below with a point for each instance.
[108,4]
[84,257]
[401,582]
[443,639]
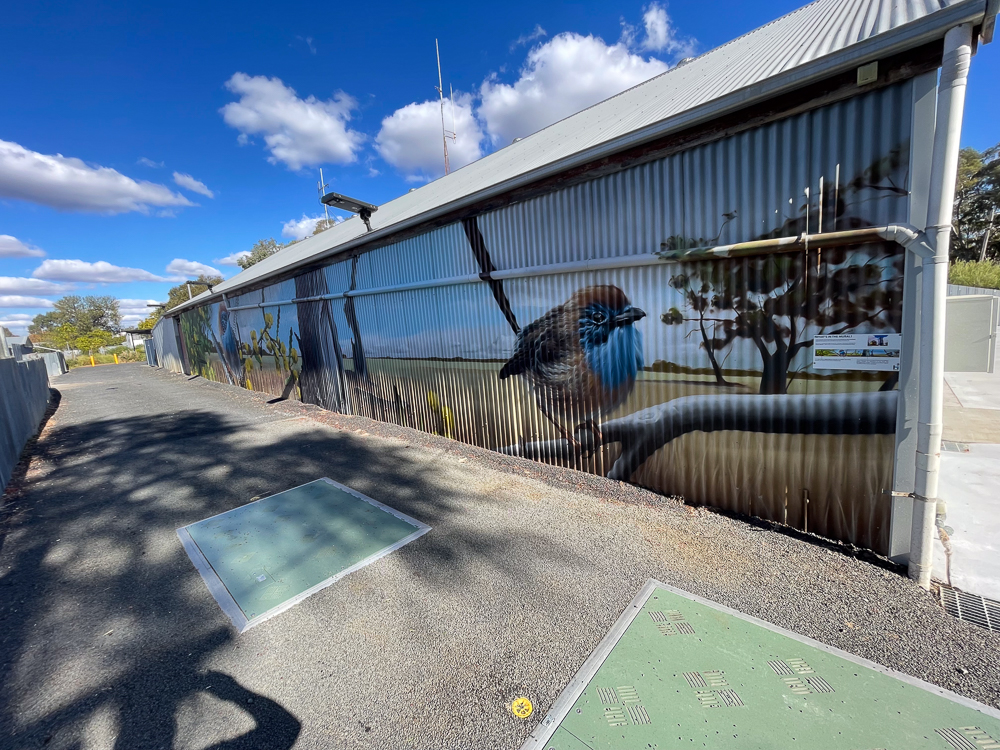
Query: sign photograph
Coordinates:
[877,352]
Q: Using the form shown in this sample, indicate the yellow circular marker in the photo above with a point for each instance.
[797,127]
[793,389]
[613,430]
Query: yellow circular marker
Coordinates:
[521,708]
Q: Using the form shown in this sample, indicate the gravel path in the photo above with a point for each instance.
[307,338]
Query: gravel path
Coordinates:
[109,638]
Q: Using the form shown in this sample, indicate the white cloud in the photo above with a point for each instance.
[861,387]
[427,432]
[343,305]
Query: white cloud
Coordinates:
[149,162]
[537,33]
[134,310]
[20,285]
[17,322]
[568,73]
[299,229]
[297,132]
[188,182]
[661,36]
[17,300]
[134,305]
[181,270]
[12,247]
[82,271]
[70,184]
[410,138]
[231,260]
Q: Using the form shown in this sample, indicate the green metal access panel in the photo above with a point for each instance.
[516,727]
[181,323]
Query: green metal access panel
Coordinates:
[678,671]
[266,556]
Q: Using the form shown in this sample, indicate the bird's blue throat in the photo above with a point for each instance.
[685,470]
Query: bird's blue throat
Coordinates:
[618,358]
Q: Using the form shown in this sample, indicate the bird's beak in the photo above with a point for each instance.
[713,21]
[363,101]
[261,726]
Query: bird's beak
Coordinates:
[630,316]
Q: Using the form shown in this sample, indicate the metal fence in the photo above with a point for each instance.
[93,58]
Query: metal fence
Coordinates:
[24,394]
[55,362]
[167,346]
[957,290]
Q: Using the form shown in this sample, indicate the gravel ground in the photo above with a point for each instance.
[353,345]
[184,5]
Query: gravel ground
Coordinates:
[109,638]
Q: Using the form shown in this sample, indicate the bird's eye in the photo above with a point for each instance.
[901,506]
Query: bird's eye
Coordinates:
[600,317]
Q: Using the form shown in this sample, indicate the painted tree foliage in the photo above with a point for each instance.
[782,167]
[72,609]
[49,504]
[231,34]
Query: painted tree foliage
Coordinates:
[284,356]
[781,302]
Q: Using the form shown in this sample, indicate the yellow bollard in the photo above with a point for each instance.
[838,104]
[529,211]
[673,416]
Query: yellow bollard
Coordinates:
[116,360]
[92,363]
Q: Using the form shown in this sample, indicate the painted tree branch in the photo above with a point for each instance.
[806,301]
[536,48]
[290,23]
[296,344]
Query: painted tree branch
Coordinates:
[643,433]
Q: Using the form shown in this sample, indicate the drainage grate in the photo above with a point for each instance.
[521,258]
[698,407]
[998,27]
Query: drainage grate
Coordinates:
[954,447]
[971,607]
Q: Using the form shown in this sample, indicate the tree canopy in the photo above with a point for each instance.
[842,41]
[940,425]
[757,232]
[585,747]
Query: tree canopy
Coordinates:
[261,249]
[178,295]
[977,205]
[781,302]
[323,224]
[73,316]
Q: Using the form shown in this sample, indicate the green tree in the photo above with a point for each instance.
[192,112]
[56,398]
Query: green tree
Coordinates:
[94,339]
[83,314]
[260,250]
[64,337]
[323,224]
[178,295]
[977,205]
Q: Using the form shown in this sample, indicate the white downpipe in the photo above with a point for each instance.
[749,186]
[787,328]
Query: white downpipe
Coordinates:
[944,167]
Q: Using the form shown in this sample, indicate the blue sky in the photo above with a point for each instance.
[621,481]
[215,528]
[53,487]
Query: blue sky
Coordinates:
[139,140]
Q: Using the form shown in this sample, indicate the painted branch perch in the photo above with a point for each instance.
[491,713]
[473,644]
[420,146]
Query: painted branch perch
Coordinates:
[643,433]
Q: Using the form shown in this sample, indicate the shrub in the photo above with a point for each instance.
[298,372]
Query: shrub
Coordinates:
[984,274]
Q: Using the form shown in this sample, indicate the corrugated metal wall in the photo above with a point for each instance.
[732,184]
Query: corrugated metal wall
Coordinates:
[532,364]
[24,394]
[168,354]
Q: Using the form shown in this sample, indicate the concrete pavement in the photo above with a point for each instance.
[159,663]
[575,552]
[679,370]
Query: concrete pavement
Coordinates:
[109,638]
[967,555]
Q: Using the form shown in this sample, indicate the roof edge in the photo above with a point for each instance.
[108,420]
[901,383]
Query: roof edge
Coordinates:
[927,29]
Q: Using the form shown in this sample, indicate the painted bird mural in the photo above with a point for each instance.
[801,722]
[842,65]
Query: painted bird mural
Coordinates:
[581,358]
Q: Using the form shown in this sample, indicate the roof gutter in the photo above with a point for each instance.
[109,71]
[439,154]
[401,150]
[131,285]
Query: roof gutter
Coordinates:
[927,29]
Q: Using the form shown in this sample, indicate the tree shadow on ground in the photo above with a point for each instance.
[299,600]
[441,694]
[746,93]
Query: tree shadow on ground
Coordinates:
[102,613]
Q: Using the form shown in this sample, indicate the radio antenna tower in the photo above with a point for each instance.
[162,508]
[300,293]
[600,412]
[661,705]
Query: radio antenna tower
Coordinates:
[322,191]
[445,134]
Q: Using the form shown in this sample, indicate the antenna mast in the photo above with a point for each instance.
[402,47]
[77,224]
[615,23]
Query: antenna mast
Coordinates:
[445,134]
[322,191]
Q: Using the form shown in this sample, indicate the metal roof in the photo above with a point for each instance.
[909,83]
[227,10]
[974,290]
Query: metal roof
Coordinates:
[814,42]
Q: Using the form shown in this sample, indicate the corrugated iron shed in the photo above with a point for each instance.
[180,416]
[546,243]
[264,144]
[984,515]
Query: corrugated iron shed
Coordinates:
[812,43]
